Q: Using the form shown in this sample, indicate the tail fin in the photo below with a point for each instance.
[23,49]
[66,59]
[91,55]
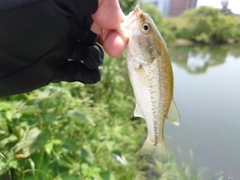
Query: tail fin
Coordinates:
[158,152]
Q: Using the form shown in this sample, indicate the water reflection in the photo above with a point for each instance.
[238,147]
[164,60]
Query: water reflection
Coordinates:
[198,59]
[207,95]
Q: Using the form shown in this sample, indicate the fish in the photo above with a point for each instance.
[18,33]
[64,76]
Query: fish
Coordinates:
[151,76]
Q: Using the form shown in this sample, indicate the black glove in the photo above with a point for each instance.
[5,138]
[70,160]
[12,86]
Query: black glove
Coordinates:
[82,66]
[47,41]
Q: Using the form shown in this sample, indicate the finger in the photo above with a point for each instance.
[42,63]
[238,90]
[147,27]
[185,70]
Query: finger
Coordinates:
[108,15]
[114,44]
[96,29]
[77,71]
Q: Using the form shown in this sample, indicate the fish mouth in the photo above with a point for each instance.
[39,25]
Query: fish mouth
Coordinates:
[130,19]
[137,9]
[135,13]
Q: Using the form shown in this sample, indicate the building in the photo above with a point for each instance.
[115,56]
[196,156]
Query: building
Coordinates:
[225,9]
[163,5]
[177,7]
[173,7]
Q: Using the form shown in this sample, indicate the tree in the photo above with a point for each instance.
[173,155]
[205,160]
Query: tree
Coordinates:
[208,25]
[164,28]
[127,5]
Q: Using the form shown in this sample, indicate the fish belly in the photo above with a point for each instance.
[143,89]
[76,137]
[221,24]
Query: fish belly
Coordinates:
[146,84]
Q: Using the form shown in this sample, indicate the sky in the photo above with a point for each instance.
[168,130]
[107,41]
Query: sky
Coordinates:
[234,5]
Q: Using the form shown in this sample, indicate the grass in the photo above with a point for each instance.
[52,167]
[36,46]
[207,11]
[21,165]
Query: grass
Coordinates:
[179,22]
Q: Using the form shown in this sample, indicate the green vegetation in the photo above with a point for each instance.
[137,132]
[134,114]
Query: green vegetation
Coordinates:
[71,131]
[211,56]
[165,28]
[75,131]
[201,25]
[208,25]
[127,5]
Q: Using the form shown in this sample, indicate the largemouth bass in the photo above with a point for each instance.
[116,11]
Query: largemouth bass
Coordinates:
[151,76]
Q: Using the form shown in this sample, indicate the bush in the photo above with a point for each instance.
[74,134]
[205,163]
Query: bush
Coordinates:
[127,5]
[223,28]
[166,29]
[236,32]
[208,25]
[75,131]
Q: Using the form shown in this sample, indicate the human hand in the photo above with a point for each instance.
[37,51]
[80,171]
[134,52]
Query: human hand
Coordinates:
[106,19]
[55,47]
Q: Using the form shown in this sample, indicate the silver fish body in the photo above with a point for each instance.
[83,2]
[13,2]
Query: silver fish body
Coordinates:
[151,76]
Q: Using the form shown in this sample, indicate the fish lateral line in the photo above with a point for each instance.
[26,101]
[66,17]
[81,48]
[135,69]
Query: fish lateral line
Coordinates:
[151,76]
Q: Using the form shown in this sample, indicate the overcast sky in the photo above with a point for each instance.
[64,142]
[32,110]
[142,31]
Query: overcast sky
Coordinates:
[234,5]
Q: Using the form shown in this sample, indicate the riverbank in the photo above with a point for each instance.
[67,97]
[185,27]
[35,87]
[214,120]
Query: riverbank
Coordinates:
[185,42]
[204,25]
[181,42]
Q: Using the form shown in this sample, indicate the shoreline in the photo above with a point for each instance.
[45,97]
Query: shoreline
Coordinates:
[185,42]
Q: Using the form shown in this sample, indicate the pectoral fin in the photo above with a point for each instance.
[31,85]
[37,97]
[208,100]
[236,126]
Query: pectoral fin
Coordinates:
[137,112]
[173,114]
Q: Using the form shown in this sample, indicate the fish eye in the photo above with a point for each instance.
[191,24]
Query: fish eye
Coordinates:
[145,27]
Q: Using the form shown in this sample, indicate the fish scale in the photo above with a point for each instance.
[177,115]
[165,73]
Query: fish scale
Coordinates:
[151,77]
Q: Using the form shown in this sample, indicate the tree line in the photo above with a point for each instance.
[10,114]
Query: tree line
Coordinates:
[201,25]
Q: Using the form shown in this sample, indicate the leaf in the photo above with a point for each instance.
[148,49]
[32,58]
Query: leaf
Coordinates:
[8,139]
[70,145]
[84,166]
[105,175]
[4,105]
[48,148]
[34,139]
[66,176]
[9,115]
[29,109]
[32,164]
[13,164]
[80,116]
[51,117]
[56,141]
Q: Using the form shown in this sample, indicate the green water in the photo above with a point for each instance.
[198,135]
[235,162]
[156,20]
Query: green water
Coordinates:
[207,86]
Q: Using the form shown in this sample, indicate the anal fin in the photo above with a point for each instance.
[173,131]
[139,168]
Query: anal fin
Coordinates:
[158,152]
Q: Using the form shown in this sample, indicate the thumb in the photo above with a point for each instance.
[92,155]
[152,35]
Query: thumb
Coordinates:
[108,15]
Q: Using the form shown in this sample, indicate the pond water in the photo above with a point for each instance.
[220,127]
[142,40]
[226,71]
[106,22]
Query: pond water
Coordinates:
[207,94]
